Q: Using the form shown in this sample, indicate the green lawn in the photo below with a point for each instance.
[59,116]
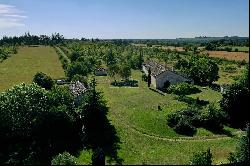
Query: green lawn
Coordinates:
[145,137]
[22,66]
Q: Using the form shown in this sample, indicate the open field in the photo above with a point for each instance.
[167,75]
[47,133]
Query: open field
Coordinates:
[243,48]
[145,137]
[23,66]
[228,77]
[173,48]
[238,56]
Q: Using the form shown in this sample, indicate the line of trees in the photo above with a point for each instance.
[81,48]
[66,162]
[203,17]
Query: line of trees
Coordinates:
[6,51]
[28,39]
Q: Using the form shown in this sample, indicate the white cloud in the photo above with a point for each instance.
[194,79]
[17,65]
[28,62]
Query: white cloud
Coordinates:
[14,16]
[4,9]
[10,17]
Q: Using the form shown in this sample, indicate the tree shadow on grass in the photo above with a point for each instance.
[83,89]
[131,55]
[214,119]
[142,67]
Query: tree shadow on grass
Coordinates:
[131,83]
[157,91]
[191,101]
[219,131]
[99,134]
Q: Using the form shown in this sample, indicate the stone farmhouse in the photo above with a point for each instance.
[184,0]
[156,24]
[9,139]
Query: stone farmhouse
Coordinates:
[160,74]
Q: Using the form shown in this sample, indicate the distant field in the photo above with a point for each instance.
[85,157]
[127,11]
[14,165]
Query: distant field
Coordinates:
[238,56]
[173,48]
[23,66]
[244,48]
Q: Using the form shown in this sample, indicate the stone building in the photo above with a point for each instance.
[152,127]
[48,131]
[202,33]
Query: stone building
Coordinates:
[160,75]
[101,72]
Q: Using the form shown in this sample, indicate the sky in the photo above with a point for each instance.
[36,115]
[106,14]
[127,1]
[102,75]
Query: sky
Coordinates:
[125,19]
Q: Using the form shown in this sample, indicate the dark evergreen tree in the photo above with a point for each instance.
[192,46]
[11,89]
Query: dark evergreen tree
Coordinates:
[99,134]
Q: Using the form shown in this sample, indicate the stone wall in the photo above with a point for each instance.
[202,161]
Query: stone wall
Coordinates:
[172,77]
[144,70]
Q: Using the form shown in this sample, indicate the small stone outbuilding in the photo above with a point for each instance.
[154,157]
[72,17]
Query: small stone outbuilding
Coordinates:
[160,75]
[101,72]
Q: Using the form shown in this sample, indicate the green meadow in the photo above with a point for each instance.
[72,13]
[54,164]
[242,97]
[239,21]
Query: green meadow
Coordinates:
[144,135]
[21,67]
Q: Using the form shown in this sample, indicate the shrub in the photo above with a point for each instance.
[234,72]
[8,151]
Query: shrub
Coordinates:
[241,155]
[144,77]
[182,89]
[63,159]
[228,49]
[202,158]
[184,126]
[43,80]
[184,121]
[235,104]
[229,69]
[212,118]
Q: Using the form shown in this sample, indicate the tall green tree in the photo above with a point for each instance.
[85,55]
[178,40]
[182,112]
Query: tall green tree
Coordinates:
[234,101]
[43,80]
[202,158]
[201,69]
[31,121]
[125,71]
[241,155]
[99,134]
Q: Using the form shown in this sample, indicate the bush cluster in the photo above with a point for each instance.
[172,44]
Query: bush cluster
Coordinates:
[63,159]
[186,121]
[202,158]
[182,89]
[144,77]
[229,69]
[64,60]
[43,80]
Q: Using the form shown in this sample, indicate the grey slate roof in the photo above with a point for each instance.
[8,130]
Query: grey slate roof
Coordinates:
[77,88]
[101,69]
[157,69]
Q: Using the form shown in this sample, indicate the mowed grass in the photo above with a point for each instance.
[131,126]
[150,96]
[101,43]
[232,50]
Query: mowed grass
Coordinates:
[22,66]
[142,129]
